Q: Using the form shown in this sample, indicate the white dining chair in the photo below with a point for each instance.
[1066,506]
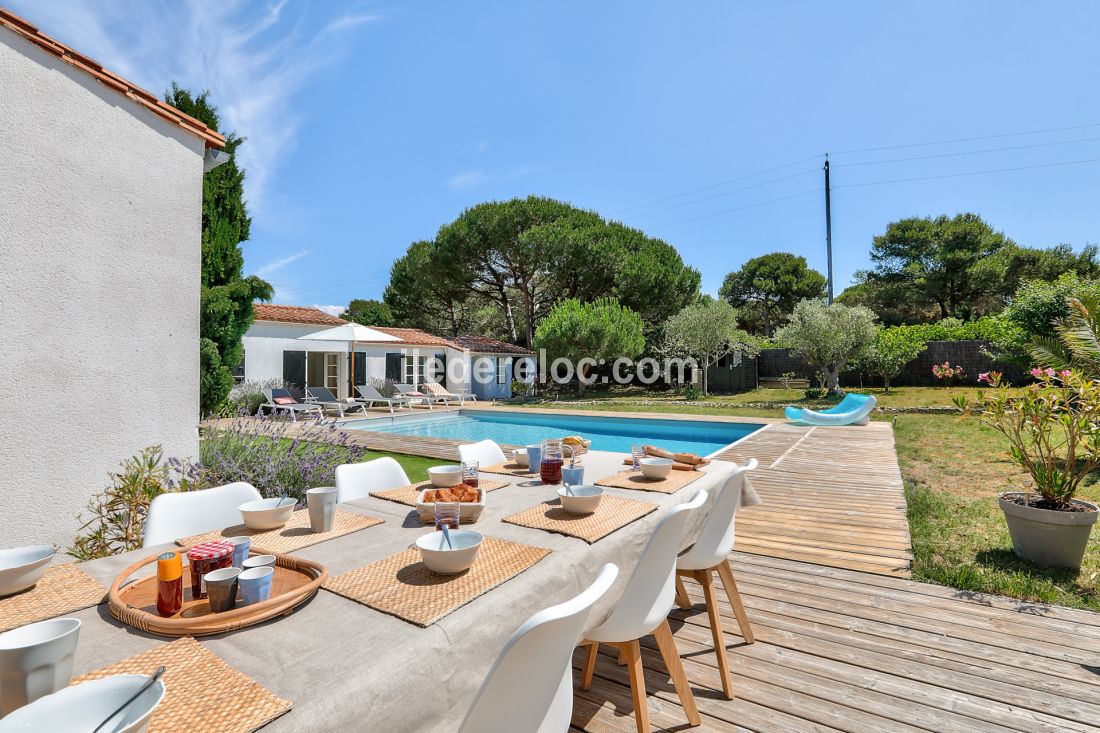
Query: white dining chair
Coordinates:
[184,513]
[710,554]
[357,480]
[530,686]
[643,609]
[486,452]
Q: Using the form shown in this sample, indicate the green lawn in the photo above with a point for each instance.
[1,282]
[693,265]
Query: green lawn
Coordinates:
[953,469]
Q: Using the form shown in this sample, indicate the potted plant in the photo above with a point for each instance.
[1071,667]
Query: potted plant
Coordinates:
[1053,432]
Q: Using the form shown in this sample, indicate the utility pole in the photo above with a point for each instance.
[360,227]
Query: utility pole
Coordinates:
[828,229]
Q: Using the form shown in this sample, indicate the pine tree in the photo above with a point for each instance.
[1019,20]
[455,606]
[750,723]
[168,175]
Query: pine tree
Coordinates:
[226,295]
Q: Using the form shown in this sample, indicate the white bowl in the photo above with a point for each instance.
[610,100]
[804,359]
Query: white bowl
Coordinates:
[584,499]
[267,513]
[447,561]
[445,476]
[656,467]
[80,708]
[520,457]
[36,660]
[22,567]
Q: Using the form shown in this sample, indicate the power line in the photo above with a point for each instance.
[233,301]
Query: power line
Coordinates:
[715,185]
[739,208]
[965,139]
[969,173]
[970,152]
[725,193]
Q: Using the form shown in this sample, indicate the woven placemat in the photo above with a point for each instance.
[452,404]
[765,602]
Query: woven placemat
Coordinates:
[635,480]
[614,512]
[201,691]
[63,589]
[403,587]
[294,535]
[510,469]
[407,494]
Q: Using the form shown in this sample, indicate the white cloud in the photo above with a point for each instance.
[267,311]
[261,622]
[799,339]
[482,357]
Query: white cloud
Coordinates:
[473,178]
[254,63]
[276,265]
[332,310]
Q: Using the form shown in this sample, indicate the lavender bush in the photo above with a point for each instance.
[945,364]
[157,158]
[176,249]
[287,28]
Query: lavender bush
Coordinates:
[274,455]
[247,396]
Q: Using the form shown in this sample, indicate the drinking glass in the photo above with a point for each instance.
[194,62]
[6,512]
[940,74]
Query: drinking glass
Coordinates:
[470,471]
[446,513]
[637,453]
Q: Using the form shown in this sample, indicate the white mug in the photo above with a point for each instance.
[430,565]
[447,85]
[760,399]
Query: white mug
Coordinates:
[36,660]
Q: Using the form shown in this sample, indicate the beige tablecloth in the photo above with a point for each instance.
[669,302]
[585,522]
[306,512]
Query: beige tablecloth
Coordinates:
[348,667]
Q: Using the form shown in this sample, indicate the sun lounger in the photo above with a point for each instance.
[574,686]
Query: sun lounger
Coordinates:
[323,396]
[438,390]
[854,409]
[368,395]
[281,399]
[412,394]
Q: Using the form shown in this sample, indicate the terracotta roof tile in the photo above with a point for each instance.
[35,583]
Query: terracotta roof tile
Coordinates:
[415,336]
[489,345]
[114,81]
[294,314]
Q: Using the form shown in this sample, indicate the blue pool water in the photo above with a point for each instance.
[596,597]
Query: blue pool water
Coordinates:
[606,433]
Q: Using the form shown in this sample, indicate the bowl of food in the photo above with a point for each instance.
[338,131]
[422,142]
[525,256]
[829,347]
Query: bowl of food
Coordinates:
[76,709]
[520,458]
[450,559]
[471,502]
[22,567]
[583,499]
[445,476]
[267,513]
[656,468]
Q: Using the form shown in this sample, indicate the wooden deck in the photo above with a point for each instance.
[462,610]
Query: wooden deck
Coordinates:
[831,496]
[839,650]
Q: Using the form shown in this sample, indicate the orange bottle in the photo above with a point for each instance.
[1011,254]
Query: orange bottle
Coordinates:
[169,584]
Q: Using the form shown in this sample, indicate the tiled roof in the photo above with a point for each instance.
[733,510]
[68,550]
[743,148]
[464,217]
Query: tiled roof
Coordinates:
[490,345]
[415,336]
[114,81]
[294,314]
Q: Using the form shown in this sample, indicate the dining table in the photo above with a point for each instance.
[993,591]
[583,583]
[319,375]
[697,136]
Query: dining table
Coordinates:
[346,666]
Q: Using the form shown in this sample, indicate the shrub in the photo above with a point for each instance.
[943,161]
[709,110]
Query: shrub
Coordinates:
[247,396]
[948,374]
[385,387]
[274,458]
[691,392]
[892,350]
[815,393]
[519,388]
[117,513]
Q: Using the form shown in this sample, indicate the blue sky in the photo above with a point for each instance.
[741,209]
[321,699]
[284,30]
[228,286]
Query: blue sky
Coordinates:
[370,125]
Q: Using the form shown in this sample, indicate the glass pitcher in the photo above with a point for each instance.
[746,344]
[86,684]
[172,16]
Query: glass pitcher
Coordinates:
[553,458]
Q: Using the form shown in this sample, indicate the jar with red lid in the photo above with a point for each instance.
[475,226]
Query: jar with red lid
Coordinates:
[204,558]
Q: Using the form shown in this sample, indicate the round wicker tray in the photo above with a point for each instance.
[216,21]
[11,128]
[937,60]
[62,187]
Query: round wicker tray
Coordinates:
[296,581]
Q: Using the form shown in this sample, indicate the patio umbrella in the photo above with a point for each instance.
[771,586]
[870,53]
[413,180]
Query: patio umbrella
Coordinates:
[351,333]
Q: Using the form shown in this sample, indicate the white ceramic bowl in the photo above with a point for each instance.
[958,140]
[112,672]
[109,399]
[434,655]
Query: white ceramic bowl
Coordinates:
[80,708]
[267,513]
[445,476]
[447,561]
[584,499]
[36,660]
[22,567]
[656,467]
[520,457]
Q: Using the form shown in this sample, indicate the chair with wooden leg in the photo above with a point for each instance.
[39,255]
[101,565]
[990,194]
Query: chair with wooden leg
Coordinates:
[709,555]
[643,609]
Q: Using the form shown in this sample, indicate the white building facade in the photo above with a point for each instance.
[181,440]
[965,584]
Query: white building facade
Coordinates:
[100,225]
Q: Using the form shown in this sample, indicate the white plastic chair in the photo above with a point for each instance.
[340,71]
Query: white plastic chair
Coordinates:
[530,686]
[357,480]
[185,513]
[710,554]
[486,452]
[643,609]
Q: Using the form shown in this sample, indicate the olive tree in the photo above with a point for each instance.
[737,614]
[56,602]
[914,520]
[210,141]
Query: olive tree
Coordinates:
[601,331]
[829,337]
[705,331]
[892,349]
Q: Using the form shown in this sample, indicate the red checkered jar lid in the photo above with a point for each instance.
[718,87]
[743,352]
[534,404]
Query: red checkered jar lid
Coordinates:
[210,550]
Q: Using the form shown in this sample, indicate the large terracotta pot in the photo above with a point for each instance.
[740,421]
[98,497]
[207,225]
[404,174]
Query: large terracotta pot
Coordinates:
[1046,536]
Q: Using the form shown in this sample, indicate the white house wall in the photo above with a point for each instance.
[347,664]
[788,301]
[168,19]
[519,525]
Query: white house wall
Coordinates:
[100,225]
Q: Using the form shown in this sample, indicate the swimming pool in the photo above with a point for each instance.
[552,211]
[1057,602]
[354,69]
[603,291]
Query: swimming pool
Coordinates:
[702,437]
